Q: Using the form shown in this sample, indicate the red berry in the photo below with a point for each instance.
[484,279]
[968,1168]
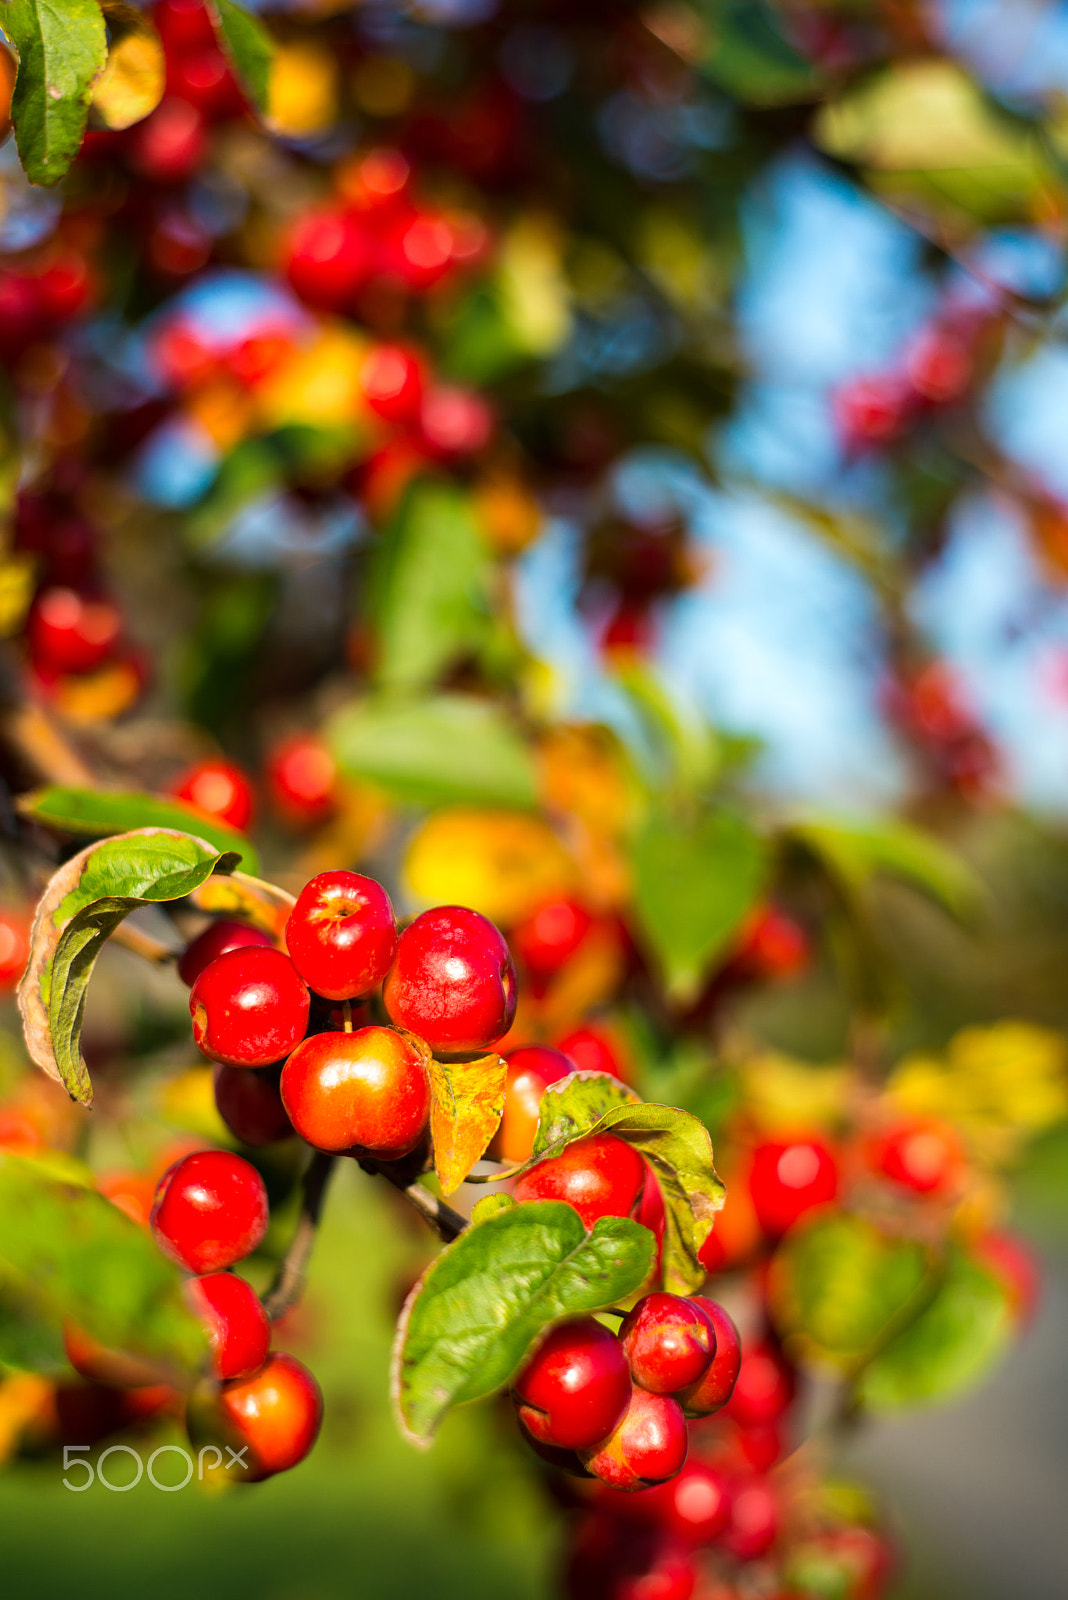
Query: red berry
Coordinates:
[594,1049]
[210,1210]
[787,1179]
[455,422]
[170,144]
[65,286]
[648,1446]
[531,1069]
[249,1007]
[716,1386]
[651,1213]
[183,25]
[547,939]
[68,633]
[392,382]
[452,981]
[14,947]
[919,1154]
[753,1522]
[368,1089]
[302,779]
[341,935]
[600,1176]
[329,258]
[668,1341]
[939,365]
[1009,1259]
[218,939]
[238,1330]
[220,790]
[765,1386]
[872,411]
[249,1102]
[693,1507]
[274,1415]
[772,946]
[672,1575]
[575,1388]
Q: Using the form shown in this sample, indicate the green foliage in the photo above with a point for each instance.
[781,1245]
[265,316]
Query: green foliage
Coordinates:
[66,1251]
[62,46]
[430,587]
[747,54]
[950,1344]
[99,812]
[477,1312]
[854,852]
[838,1285]
[676,1145]
[448,747]
[248,44]
[694,883]
[81,907]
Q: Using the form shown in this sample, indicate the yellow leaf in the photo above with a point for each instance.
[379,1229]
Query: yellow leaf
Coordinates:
[466,1106]
[502,863]
[302,99]
[16,592]
[132,82]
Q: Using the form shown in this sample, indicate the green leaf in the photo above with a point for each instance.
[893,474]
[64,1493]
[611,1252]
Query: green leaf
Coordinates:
[694,883]
[676,1145]
[837,1285]
[476,1314]
[249,46]
[855,851]
[748,56]
[429,592]
[447,748]
[66,1251]
[948,1346]
[83,903]
[100,812]
[62,46]
[29,1341]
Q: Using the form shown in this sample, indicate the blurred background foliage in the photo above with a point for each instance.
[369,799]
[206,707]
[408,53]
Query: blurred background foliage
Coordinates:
[607,456]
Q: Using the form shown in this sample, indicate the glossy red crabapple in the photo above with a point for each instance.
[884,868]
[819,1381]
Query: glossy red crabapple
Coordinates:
[210,1210]
[249,1102]
[596,1049]
[275,1415]
[920,1154]
[716,1385]
[67,632]
[452,981]
[391,378]
[368,1089]
[546,940]
[788,1178]
[14,946]
[765,1386]
[753,1521]
[217,939]
[341,935]
[302,780]
[239,1334]
[648,1446]
[249,1007]
[668,1341]
[575,1388]
[531,1069]
[329,258]
[693,1507]
[600,1176]
[220,790]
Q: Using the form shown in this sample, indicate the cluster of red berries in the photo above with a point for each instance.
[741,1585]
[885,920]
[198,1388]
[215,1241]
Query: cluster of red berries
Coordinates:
[939,366]
[616,1408]
[447,988]
[300,777]
[930,707]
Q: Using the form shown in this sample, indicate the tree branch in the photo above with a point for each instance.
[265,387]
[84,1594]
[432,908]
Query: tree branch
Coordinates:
[442,1218]
[288,1285]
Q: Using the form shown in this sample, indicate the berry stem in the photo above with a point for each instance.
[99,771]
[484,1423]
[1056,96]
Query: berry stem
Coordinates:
[288,1285]
[346,1012]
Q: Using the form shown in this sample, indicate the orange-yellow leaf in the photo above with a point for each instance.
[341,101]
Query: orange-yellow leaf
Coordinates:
[467,1099]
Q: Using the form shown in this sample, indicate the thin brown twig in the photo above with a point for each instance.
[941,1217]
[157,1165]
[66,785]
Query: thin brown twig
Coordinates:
[143,944]
[288,1285]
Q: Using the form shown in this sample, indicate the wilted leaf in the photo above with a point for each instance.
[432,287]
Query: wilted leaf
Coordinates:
[465,1110]
[448,748]
[102,812]
[66,1251]
[84,902]
[475,1315]
[694,883]
[62,46]
[132,82]
[837,1285]
[676,1145]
